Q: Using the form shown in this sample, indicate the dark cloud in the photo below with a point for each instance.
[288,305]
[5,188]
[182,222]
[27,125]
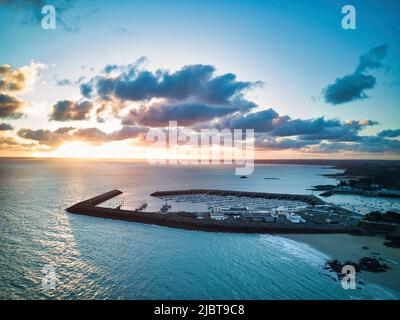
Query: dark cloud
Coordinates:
[86,89]
[349,88]
[46,137]
[375,144]
[353,86]
[264,141]
[10,107]
[281,132]
[186,114]
[269,121]
[5,127]
[189,95]
[66,110]
[197,82]
[305,127]
[334,130]
[389,133]
[262,121]
[366,144]
[322,129]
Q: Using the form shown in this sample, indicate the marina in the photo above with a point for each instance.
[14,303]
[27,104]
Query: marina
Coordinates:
[232,211]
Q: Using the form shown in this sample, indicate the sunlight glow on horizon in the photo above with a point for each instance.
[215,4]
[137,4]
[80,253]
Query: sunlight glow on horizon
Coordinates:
[79,149]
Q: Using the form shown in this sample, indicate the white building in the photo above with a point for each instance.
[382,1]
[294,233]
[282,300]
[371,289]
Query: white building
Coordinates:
[294,218]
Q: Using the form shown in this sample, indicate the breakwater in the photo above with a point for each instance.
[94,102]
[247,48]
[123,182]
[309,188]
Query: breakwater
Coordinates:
[96,200]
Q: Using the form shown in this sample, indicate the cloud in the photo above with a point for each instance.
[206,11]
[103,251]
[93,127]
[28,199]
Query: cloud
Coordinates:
[11,80]
[46,137]
[389,133]
[93,136]
[321,129]
[128,69]
[264,141]
[67,82]
[262,121]
[372,59]
[335,130]
[127,132]
[67,110]
[364,122]
[110,68]
[5,127]
[97,137]
[189,95]
[86,89]
[376,144]
[280,132]
[366,144]
[9,143]
[186,114]
[349,88]
[192,86]
[305,127]
[353,86]
[19,80]
[10,107]
[194,83]
[269,121]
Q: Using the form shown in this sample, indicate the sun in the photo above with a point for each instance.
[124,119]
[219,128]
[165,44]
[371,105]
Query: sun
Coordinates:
[111,150]
[76,149]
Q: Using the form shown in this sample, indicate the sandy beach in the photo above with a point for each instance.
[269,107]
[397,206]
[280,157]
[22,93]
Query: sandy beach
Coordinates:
[347,247]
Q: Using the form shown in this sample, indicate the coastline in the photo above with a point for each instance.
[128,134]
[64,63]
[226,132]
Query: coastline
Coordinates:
[350,247]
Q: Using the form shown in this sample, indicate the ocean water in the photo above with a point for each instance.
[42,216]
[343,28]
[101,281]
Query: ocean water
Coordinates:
[104,259]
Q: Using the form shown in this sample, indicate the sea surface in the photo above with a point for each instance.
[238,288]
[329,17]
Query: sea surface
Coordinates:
[96,258]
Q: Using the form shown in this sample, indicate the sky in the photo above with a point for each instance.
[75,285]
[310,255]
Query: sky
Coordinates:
[113,70]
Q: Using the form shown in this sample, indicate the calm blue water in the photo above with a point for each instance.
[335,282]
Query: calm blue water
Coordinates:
[104,259]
